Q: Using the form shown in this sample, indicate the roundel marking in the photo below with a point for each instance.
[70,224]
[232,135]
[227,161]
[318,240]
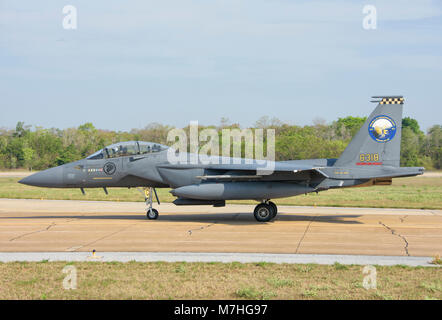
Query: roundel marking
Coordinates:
[109,168]
[382,128]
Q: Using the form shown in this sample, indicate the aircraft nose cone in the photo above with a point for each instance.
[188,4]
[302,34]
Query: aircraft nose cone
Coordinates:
[52,177]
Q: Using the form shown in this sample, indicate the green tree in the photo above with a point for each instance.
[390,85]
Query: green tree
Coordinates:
[88,127]
[47,145]
[410,148]
[21,130]
[28,157]
[14,152]
[41,148]
[411,123]
[68,154]
[348,127]
[434,145]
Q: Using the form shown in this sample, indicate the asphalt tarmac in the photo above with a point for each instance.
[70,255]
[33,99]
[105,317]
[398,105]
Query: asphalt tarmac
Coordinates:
[83,226]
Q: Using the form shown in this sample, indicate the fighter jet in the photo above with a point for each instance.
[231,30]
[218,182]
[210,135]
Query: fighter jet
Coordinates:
[371,158]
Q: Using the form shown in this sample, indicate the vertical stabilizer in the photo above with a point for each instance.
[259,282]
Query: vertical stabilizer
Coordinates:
[378,142]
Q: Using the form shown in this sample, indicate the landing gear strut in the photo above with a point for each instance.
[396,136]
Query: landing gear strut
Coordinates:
[265,211]
[151,213]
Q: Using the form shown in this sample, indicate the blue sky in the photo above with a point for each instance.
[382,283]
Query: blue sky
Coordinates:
[130,63]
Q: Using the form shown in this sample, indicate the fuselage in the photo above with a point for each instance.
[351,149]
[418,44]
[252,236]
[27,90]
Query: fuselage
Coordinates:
[143,164]
[371,158]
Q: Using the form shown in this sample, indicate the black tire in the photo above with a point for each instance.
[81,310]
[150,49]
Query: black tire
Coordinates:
[275,208]
[152,215]
[263,212]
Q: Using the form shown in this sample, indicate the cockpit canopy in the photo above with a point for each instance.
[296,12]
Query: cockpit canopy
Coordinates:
[128,148]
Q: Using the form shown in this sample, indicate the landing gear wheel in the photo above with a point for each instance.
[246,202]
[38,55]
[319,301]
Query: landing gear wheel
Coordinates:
[263,212]
[274,207]
[152,214]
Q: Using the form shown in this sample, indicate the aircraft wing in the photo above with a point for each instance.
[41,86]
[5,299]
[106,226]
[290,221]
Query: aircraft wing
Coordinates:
[248,171]
[270,165]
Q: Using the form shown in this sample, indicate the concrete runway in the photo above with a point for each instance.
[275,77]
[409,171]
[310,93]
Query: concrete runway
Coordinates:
[72,226]
[224,257]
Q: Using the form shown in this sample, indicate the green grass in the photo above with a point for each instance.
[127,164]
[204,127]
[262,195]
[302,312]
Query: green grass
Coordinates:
[253,293]
[339,266]
[152,280]
[280,282]
[416,192]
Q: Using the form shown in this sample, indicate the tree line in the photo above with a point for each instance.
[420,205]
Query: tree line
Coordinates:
[37,148]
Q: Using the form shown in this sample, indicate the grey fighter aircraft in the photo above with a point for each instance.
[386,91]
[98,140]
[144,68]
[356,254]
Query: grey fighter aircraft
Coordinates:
[371,158]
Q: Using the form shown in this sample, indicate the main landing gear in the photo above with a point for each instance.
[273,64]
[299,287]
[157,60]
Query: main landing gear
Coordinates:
[151,213]
[265,211]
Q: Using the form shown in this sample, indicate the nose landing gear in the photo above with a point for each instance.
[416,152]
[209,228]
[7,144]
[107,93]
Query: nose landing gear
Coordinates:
[265,211]
[151,213]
